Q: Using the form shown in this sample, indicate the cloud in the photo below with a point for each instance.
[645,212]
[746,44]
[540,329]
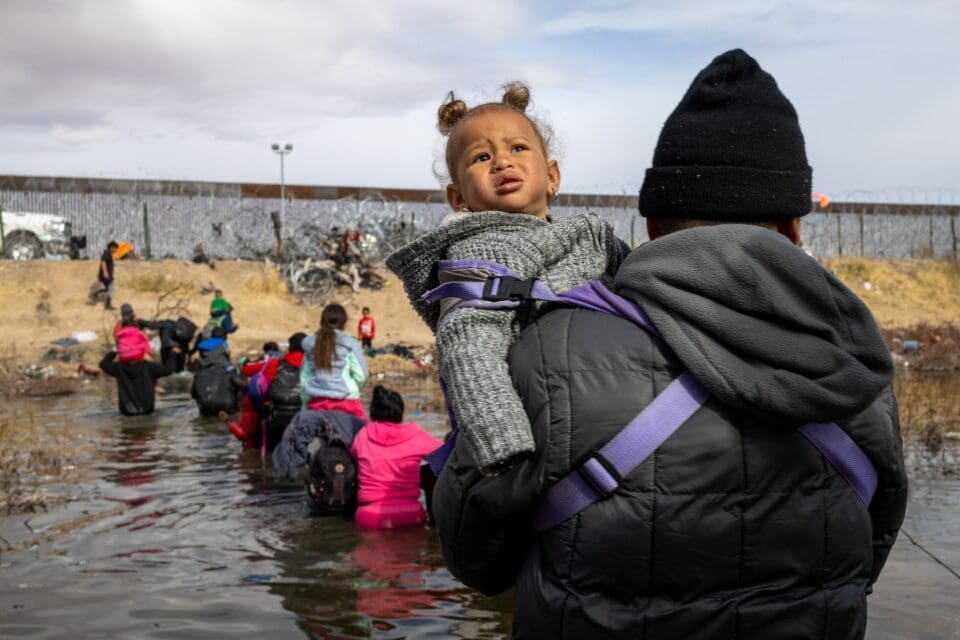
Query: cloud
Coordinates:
[198,90]
[224,63]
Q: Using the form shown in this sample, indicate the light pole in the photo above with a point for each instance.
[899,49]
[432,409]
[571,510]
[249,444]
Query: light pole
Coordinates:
[284,150]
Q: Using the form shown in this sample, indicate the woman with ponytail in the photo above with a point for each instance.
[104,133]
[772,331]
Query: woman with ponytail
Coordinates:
[333,367]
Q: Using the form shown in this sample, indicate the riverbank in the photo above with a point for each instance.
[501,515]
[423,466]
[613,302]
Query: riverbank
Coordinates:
[916,303]
[46,301]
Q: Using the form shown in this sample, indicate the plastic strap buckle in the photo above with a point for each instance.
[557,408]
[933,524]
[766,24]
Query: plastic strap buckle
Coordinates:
[500,288]
[601,475]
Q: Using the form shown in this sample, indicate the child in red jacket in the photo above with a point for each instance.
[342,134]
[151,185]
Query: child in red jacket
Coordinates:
[366,329]
[245,429]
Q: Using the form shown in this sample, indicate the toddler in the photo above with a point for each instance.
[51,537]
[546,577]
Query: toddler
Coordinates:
[500,165]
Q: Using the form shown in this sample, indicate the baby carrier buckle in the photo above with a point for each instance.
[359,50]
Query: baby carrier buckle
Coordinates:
[500,288]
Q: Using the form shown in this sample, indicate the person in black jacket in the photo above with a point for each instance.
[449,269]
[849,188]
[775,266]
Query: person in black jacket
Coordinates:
[217,385]
[175,337]
[105,276]
[135,382]
[736,526]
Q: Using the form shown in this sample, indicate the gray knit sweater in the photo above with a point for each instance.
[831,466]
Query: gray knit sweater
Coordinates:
[472,343]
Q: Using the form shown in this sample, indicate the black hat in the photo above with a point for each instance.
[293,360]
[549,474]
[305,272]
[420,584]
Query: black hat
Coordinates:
[732,149]
[295,343]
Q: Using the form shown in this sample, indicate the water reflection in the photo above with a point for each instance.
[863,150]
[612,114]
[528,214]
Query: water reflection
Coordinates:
[162,526]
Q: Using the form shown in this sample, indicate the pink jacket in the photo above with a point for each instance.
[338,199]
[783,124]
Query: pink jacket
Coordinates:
[388,459]
[132,344]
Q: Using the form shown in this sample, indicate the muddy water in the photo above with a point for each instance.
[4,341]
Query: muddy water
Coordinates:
[161,526]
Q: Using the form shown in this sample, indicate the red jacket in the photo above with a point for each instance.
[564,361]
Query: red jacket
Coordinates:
[294,358]
[246,427]
[366,328]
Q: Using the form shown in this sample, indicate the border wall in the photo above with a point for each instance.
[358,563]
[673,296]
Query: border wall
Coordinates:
[169,219]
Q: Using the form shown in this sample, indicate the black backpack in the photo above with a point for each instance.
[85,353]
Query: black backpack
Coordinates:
[284,400]
[183,330]
[332,474]
[214,391]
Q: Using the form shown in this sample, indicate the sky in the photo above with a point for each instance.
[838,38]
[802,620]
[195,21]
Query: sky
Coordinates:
[200,89]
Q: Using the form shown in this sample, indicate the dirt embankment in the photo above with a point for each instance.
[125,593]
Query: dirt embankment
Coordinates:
[44,301]
[916,302]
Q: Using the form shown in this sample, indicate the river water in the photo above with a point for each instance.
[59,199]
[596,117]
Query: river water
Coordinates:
[162,527]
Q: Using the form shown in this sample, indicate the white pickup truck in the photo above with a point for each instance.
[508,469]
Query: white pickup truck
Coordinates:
[26,235]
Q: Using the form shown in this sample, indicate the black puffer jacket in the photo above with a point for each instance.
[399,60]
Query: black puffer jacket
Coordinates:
[736,527]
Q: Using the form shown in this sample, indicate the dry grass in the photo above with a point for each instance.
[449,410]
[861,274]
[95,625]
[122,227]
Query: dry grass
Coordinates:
[903,293]
[265,283]
[19,289]
[9,361]
[160,283]
[390,365]
[929,405]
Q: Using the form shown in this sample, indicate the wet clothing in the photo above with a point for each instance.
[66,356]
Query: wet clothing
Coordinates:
[136,394]
[246,429]
[290,455]
[736,526]
[472,343]
[388,457]
[284,395]
[345,377]
[217,383]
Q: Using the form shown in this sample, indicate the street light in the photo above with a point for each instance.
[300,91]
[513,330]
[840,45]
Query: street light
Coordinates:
[284,150]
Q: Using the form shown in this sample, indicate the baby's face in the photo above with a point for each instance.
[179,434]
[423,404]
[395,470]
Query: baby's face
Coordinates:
[499,164]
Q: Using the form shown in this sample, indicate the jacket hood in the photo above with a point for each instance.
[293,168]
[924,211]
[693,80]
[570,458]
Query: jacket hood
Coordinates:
[294,358]
[759,323]
[388,434]
[415,263]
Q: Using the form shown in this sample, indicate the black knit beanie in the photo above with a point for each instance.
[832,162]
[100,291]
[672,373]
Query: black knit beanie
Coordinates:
[731,150]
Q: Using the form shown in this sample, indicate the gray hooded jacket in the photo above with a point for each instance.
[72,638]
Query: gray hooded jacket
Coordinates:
[472,343]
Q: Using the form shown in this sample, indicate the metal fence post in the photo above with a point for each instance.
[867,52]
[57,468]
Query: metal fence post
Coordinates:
[861,235]
[147,253]
[3,236]
[839,238]
[953,232]
[633,221]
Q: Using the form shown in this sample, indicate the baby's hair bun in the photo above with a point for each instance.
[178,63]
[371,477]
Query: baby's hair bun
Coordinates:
[450,113]
[516,95]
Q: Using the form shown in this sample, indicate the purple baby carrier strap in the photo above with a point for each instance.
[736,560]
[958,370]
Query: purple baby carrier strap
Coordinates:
[843,453]
[601,474]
